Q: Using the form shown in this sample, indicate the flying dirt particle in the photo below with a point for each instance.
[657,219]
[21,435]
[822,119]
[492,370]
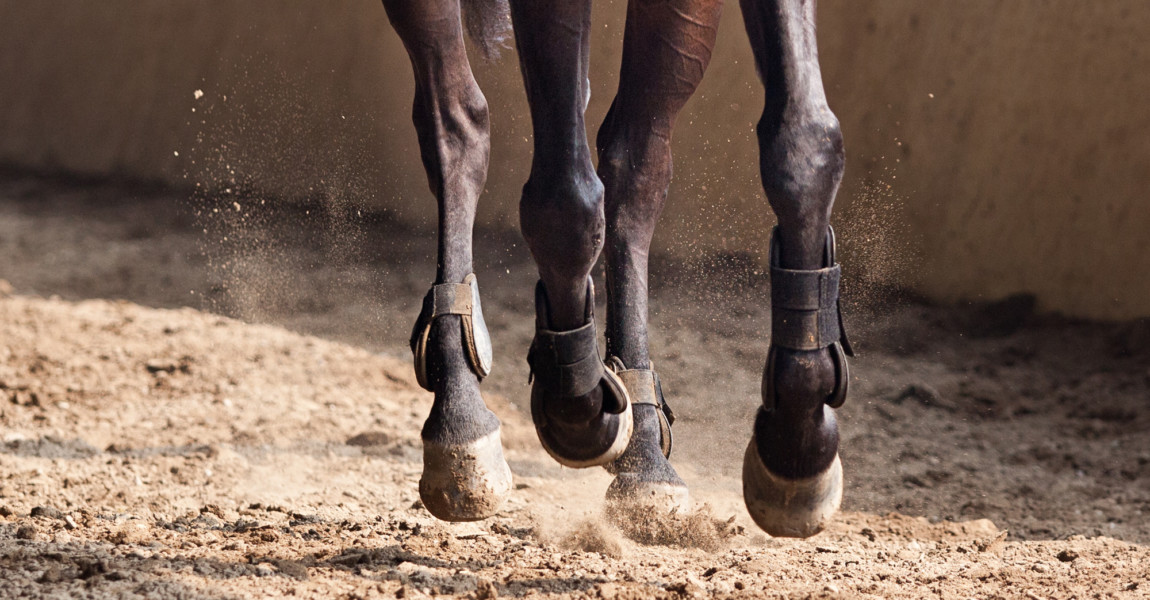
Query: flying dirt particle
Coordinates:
[175,152]
[697,529]
[931,96]
[198,94]
[591,536]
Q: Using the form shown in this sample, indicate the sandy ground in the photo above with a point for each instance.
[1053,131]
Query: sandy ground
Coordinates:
[264,442]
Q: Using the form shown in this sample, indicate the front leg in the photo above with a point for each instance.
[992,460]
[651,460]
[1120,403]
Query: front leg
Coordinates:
[464,474]
[580,408]
[792,477]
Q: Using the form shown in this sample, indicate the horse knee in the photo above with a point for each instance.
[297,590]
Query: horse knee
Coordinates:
[561,216]
[801,163]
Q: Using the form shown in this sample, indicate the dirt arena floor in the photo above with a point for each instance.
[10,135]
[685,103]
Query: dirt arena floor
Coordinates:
[214,400]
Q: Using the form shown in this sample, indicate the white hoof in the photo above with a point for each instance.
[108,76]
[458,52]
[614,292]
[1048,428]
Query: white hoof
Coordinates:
[464,482]
[790,507]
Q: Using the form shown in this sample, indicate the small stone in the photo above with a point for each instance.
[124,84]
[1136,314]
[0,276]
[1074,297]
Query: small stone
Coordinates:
[831,588]
[26,532]
[1067,556]
[47,512]
[1040,568]
[689,588]
[6,512]
[69,522]
[265,570]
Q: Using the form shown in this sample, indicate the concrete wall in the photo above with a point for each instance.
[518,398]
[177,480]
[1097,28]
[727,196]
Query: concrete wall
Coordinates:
[993,147]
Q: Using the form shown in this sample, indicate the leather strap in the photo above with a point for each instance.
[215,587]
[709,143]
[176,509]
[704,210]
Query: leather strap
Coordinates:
[805,309]
[566,363]
[460,299]
[806,314]
[643,387]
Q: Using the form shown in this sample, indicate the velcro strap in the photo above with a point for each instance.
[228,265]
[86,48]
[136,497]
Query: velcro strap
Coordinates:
[449,299]
[640,385]
[566,363]
[805,290]
[804,308]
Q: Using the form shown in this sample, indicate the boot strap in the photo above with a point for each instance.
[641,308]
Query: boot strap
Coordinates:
[805,310]
[460,299]
[806,314]
[643,387]
[566,363]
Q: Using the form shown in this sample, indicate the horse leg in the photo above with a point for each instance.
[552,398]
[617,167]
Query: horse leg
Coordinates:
[580,409]
[792,478]
[666,49]
[464,474]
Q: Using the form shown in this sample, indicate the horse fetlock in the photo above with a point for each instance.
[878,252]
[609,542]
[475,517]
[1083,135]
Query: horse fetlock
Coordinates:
[802,380]
[794,443]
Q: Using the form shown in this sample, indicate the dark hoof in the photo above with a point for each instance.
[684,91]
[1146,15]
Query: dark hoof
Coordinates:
[786,507]
[464,481]
[579,445]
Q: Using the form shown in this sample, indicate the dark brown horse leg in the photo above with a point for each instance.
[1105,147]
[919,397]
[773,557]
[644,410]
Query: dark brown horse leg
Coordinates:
[580,409]
[792,478]
[464,474]
[667,46]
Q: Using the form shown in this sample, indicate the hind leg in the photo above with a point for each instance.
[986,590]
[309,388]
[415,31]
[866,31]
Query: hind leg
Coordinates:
[464,474]
[666,49]
[792,478]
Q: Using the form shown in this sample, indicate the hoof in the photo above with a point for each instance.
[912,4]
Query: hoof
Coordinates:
[464,482]
[632,496]
[784,507]
[645,484]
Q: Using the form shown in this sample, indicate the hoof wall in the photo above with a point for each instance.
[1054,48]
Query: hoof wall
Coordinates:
[464,482]
[629,497]
[784,507]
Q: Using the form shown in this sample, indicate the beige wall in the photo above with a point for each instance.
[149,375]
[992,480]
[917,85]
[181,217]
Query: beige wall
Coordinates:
[1027,170]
